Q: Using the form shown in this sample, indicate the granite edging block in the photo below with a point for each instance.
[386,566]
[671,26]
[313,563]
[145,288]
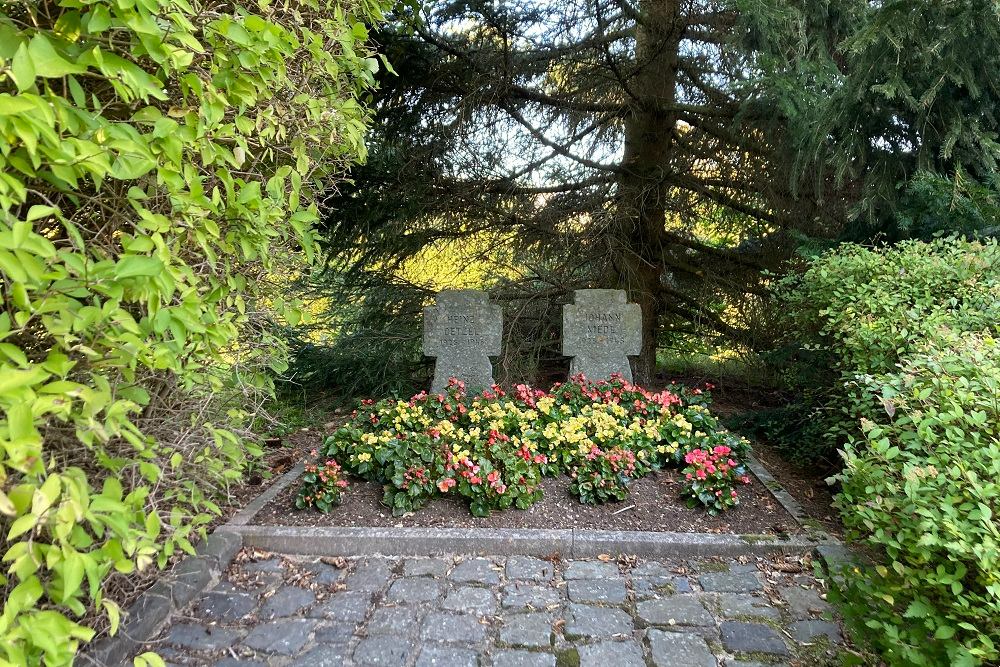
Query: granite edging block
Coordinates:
[245,515]
[406,541]
[570,543]
[146,616]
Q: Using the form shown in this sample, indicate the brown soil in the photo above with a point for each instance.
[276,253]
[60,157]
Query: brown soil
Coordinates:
[654,504]
[809,487]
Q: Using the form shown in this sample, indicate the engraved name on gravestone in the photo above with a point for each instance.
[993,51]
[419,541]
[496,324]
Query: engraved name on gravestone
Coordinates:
[600,330]
[463,330]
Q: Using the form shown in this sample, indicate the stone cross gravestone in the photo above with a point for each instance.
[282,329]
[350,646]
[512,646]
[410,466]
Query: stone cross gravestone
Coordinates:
[600,330]
[463,330]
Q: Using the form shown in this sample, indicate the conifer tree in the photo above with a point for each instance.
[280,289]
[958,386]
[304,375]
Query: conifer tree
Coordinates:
[615,143]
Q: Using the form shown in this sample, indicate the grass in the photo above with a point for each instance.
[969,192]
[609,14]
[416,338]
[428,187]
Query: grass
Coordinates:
[568,658]
[736,368]
[287,414]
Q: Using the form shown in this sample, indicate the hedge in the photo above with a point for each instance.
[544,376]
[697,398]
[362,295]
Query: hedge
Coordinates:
[159,165]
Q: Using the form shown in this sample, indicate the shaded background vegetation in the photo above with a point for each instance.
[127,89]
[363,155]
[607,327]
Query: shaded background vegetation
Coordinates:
[687,151]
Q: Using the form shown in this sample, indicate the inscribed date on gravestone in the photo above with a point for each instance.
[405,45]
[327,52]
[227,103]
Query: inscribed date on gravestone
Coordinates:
[463,330]
[600,330]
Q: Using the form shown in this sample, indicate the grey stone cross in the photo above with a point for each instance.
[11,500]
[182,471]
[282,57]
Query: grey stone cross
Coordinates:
[463,330]
[600,330]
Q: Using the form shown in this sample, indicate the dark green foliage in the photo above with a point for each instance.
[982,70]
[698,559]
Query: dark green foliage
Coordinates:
[557,150]
[933,205]
[366,346]
[877,95]
[797,430]
[577,144]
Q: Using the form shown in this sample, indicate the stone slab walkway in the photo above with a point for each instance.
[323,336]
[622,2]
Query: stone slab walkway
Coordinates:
[515,611]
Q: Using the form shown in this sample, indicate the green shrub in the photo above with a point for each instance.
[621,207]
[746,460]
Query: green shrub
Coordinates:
[921,490]
[159,160]
[857,312]
[898,362]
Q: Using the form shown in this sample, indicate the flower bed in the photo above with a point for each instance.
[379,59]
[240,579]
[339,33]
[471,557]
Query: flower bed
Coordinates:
[493,448]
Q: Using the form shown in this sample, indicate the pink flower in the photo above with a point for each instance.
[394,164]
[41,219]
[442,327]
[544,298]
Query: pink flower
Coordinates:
[446,484]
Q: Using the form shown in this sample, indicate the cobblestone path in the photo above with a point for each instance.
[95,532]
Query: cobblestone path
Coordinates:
[506,612]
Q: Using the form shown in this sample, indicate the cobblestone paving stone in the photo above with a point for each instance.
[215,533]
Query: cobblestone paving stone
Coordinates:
[458,611]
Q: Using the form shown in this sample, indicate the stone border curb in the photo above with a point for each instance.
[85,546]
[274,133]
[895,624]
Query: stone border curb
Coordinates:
[590,543]
[244,516]
[831,551]
[148,614]
[569,543]
[788,502]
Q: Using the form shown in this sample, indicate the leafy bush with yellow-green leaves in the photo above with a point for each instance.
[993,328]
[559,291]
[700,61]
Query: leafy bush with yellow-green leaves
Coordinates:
[159,160]
[911,333]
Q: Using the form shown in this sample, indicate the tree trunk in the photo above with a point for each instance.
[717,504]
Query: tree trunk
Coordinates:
[649,127]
